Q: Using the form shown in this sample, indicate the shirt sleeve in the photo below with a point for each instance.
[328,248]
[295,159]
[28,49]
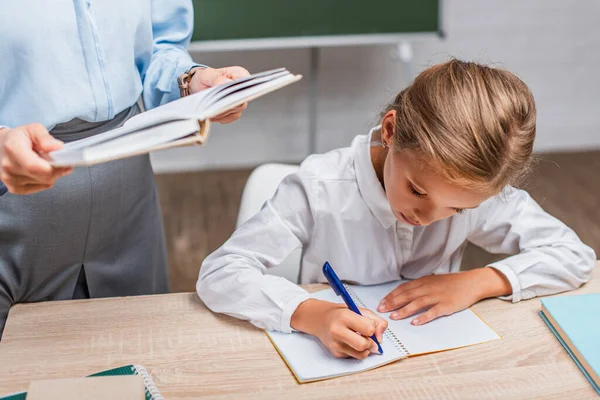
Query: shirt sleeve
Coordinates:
[547,256]
[232,280]
[172,27]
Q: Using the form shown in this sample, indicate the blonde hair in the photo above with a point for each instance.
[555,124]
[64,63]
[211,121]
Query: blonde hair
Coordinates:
[474,124]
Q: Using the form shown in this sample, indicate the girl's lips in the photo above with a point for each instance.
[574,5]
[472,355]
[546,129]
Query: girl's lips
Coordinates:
[409,221]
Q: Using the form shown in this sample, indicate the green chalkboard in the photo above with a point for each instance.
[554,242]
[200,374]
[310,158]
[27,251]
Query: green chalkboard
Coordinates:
[253,19]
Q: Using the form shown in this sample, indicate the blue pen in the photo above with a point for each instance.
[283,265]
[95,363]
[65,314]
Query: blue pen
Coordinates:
[340,290]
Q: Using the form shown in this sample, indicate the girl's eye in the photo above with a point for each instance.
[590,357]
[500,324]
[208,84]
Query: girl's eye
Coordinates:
[459,210]
[415,191]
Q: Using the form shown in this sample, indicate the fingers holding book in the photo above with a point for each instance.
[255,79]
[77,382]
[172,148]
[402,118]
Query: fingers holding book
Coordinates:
[205,78]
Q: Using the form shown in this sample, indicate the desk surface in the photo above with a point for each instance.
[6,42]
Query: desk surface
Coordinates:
[192,353]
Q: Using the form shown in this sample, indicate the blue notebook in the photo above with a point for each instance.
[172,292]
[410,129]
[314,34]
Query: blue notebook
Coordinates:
[575,321]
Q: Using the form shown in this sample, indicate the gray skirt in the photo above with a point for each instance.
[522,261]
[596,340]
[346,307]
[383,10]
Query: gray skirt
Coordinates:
[97,233]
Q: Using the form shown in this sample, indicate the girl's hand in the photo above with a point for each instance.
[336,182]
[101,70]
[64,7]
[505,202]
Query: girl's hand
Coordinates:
[343,332]
[443,294]
[205,78]
[22,169]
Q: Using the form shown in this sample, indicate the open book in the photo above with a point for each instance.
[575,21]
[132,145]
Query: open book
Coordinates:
[310,361]
[181,122]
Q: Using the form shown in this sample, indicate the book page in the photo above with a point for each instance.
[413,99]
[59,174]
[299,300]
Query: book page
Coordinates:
[247,94]
[243,82]
[310,360]
[460,329]
[141,140]
[237,86]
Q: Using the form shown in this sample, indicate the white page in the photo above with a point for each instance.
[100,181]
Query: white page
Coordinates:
[460,329]
[96,139]
[310,360]
[248,94]
[139,141]
[237,86]
[138,123]
[243,82]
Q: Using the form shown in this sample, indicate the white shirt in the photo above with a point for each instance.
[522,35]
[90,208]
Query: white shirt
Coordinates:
[336,209]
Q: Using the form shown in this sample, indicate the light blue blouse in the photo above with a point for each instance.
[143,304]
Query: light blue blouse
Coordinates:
[89,59]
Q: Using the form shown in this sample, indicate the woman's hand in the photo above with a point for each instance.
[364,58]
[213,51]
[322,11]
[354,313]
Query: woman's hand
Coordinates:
[205,78]
[343,332]
[22,170]
[444,294]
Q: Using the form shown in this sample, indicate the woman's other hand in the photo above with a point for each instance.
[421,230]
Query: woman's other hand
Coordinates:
[22,169]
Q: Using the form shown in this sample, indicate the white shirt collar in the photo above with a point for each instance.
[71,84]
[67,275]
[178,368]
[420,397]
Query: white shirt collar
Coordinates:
[368,183]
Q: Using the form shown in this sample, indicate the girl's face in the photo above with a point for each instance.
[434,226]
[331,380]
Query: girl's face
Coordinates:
[416,194]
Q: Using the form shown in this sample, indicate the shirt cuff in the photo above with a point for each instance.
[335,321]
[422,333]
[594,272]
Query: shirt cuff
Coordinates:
[288,311]
[199,65]
[185,67]
[518,293]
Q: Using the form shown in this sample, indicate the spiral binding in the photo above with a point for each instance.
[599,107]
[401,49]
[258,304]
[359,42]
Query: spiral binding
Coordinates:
[391,336]
[148,382]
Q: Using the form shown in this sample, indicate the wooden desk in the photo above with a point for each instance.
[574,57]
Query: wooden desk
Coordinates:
[192,353]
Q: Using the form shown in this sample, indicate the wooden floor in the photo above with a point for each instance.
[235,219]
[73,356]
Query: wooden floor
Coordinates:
[200,209]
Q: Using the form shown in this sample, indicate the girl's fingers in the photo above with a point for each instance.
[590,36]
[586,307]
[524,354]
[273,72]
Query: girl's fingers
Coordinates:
[429,315]
[413,307]
[402,299]
[359,355]
[382,324]
[385,303]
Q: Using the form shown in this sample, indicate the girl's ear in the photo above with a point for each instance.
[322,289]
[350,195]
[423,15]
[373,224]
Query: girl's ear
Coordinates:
[388,127]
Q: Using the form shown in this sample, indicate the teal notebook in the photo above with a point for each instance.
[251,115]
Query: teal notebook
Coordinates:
[151,391]
[575,321]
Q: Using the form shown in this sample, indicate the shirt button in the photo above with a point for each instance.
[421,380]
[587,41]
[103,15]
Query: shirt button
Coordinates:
[404,233]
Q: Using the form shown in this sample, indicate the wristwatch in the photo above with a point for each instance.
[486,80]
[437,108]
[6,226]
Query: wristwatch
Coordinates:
[184,80]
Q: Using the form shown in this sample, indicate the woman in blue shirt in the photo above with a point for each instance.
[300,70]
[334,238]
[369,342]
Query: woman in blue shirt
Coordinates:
[71,69]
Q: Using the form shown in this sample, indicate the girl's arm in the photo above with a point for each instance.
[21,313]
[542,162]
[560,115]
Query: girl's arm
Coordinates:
[547,256]
[232,280]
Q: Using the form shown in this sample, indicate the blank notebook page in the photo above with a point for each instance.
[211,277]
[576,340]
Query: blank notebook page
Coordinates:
[310,360]
[460,329]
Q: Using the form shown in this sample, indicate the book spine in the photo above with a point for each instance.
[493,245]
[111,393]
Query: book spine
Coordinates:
[388,334]
[148,382]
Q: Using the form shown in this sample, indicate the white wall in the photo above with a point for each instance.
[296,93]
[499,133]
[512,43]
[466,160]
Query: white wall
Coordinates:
[553,45]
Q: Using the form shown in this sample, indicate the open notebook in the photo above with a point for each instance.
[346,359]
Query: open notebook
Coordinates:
[310,361]
[181,122]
